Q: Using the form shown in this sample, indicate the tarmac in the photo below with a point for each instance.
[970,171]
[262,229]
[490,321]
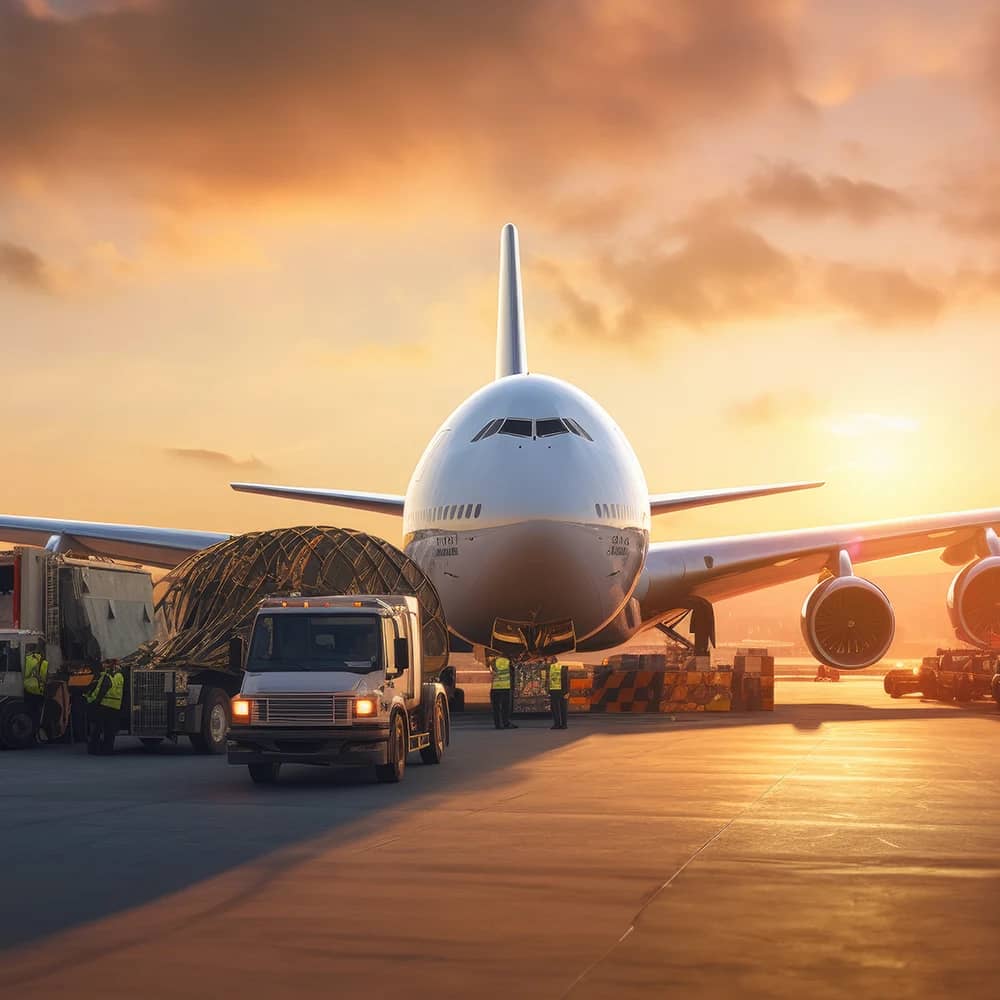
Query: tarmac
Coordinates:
[844,845]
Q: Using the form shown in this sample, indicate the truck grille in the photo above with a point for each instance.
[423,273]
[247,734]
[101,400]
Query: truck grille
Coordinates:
[301,710]
[149,701]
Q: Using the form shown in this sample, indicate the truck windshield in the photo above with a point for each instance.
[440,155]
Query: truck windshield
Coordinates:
[316,642]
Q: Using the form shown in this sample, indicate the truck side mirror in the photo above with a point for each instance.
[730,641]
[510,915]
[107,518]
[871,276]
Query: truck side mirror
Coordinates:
[235,654]
[400,654]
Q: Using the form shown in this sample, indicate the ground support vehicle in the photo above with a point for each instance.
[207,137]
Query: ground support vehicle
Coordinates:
[950,675]
[192,702]
[336,680]
[77,612]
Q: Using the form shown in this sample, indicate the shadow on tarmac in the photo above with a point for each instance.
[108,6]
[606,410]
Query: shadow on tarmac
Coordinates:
[86,837]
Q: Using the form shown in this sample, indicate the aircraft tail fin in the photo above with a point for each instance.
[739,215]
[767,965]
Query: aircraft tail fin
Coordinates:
[512,348]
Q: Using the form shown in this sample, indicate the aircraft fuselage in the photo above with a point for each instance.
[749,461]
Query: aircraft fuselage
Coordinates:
[528,507]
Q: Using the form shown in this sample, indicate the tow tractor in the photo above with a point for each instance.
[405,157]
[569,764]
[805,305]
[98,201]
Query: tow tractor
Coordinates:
[336,680]
[950,675]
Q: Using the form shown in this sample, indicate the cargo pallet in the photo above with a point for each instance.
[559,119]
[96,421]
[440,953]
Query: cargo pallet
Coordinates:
[634,683]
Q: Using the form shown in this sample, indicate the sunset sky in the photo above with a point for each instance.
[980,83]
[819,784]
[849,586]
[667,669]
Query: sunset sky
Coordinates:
[258,240]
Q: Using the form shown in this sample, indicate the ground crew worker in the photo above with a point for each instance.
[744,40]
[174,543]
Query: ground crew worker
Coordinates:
[501,696]
[36,672]
[105,700]
[558,686]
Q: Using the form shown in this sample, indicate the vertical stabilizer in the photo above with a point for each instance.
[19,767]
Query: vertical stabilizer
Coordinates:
[512,350]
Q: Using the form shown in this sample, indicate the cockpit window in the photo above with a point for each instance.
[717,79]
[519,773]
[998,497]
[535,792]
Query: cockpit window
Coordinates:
[525,428]
[519,428]
[549,427]
[576,428]
[491,428]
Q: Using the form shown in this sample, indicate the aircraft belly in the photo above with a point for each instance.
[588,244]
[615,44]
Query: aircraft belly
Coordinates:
[534,572]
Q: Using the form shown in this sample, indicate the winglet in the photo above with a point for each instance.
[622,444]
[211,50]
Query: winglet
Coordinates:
[512,348]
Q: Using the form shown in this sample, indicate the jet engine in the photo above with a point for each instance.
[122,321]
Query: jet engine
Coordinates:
[974,602]
[848,622]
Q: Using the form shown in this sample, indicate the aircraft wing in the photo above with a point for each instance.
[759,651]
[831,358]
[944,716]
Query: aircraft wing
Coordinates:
[378,503]
[716,568]
[163,547]
[662,503]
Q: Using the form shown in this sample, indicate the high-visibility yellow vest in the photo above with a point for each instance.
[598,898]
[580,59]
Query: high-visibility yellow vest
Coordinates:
[36,670]
[555,677]
[113,696]
[501,674]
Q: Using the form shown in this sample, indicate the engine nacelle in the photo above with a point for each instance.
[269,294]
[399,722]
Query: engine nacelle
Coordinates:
[848,623]
[974,602]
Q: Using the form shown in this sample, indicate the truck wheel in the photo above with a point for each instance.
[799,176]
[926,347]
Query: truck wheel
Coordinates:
[434,753]
[394,770]
[150,742]
[17,726]
[963,691]
[214,723]
[264,774]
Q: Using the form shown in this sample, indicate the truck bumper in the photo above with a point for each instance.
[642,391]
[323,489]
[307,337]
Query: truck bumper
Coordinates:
[293,746]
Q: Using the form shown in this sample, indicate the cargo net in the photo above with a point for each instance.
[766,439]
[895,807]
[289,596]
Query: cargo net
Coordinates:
[213,595]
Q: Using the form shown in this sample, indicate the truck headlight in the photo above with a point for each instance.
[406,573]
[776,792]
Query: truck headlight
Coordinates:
[241,711]
[365,708]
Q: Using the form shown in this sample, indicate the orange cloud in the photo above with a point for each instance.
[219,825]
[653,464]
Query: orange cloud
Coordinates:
[973,203]
[219,100]
[721,271]
[218,459]
[21,266]
[725,272]
[884,296]
[788,188]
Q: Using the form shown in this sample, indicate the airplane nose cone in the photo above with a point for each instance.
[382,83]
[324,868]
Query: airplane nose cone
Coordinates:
[535,573]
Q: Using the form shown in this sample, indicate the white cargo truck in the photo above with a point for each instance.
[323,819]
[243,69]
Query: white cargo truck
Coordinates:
[336,680]
[77,612]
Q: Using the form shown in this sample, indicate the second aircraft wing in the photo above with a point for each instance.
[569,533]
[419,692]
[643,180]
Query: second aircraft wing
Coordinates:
[378,503]
[662,503]
[716,568]
[163,547]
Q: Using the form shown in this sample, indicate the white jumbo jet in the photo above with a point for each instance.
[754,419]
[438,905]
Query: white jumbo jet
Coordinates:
[530,513]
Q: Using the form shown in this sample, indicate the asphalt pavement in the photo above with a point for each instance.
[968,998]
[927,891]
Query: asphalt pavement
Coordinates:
[845,845]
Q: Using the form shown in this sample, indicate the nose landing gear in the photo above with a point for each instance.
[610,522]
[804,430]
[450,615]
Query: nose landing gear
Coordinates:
[518,639]
[701,626]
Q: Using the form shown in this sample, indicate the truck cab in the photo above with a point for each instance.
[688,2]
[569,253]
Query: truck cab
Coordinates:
[18,718]
[336,681]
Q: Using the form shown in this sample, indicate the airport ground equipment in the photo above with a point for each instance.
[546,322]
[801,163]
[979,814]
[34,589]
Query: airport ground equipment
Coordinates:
[82,611]
[183,685]
[950,675]
[530,685]
[336,681]
[632,683]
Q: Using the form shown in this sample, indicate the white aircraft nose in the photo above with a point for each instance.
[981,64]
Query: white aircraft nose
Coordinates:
[534,573]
